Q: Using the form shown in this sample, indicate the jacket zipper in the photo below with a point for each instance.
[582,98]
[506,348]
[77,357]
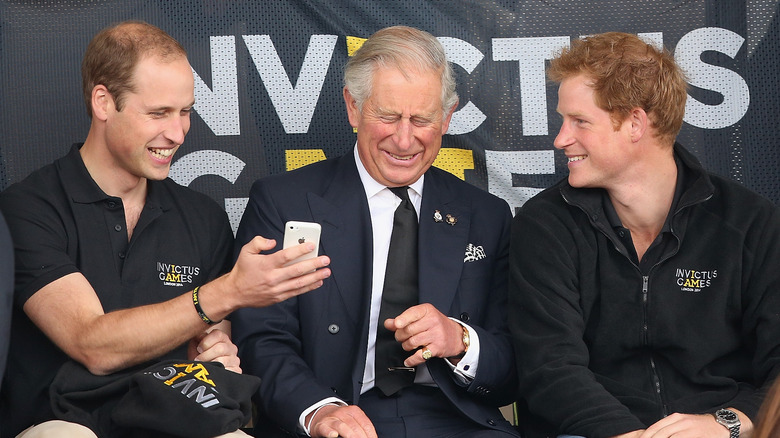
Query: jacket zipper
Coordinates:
[656,380]
[646,337]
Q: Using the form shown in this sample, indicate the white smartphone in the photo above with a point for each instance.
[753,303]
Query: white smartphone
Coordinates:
[296,232]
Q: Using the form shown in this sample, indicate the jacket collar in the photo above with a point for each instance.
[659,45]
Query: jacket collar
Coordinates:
[697,188]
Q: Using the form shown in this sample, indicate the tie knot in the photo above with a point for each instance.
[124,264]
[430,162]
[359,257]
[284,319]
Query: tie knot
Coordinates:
[401,192]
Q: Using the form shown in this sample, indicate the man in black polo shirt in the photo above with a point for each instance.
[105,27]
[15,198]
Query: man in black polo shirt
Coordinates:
[116,264]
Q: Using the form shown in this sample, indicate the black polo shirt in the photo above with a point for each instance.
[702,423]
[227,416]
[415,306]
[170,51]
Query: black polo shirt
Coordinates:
[62,223]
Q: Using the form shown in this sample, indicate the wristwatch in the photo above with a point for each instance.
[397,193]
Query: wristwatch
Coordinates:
[729,420]
[466,342]
[466,339]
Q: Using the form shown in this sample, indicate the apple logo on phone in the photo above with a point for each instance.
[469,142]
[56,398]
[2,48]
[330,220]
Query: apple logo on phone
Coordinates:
[302,240]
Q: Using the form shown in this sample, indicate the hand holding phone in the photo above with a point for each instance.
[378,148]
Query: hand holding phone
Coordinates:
[296,233]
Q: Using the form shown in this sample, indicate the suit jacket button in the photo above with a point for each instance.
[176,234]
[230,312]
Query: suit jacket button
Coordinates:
[491,422]
[464,317]
[333,329]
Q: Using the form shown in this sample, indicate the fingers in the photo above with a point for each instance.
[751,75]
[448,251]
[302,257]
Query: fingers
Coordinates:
[413,314]
[418,357]
[423,327]
[280,258]
[263,279]
[686,426]
[216,346]
[293,283]
[342,421]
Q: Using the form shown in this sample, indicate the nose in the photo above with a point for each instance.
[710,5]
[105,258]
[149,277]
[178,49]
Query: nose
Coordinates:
[177,129]
[563,138]
[404,133]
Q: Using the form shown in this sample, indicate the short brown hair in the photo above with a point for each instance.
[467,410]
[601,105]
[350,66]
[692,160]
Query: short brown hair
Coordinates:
[627,73]
[113,54]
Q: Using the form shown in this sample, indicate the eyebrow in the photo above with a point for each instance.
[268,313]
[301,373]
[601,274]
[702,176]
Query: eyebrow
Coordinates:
[427,116]
[168,107]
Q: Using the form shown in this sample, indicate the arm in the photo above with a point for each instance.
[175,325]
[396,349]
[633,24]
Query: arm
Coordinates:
[62,302]
[761,305]
[481,294]
[69,312]
[334,421]
[497,372]
[271,339]
[692,426]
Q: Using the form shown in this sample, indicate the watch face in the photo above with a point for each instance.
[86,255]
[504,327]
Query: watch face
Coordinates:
[727,417]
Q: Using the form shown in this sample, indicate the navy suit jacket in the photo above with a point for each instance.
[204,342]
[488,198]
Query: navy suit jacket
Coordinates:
[313,346]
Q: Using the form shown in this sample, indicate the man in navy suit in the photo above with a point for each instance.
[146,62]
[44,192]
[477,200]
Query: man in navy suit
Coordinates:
[316,353]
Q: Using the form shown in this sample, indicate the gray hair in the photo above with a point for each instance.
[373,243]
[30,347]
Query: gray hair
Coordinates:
[404,48]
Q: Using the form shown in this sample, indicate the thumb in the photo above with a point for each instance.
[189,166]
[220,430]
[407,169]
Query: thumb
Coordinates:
[390,324]
[259,244]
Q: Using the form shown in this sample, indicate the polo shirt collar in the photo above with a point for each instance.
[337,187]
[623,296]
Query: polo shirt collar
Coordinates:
[78,183]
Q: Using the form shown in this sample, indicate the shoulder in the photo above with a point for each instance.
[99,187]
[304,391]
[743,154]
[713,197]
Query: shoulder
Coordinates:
[550,200]
[40,192]
[739,206]
[315,177]
[549,214]
[734,193]
[314,172]
[479,197]
[189,203]
[42,182]
[173,190]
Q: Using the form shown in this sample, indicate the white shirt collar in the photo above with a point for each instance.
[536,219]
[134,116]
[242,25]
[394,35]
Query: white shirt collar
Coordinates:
[372,187]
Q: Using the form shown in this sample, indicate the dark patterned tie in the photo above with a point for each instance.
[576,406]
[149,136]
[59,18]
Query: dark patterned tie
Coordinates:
[400,292]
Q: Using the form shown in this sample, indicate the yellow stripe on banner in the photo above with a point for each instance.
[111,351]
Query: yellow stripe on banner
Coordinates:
[296,158]
[353,44]
[452,160]
[455,161]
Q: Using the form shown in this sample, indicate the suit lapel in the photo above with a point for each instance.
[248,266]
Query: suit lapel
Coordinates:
[346,237]
[442,246]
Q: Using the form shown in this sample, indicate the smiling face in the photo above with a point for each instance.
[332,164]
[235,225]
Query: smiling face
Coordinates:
[598,154]
[400,126]
[142,138]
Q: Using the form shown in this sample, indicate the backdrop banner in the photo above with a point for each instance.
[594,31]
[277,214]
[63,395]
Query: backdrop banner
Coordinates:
[268,82]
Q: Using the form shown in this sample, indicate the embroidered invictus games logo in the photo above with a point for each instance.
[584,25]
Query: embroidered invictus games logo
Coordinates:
[192,380]
[176,275]
[691,280]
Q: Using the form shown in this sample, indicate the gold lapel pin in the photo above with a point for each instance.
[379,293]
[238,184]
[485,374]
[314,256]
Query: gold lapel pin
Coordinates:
[452,220]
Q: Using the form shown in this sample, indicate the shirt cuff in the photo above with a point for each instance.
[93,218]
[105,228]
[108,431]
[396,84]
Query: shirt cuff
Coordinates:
[328,401]
[466,370]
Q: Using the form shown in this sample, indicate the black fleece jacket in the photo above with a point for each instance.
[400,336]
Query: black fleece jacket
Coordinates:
[603,349]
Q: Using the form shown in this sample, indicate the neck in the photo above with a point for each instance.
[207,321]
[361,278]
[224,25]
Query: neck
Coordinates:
[112,178]
[115,181]
[644,203]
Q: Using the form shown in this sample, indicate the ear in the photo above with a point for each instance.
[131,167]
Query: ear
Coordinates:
[446,122]
[102,102]
[353,112]
[639,123]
